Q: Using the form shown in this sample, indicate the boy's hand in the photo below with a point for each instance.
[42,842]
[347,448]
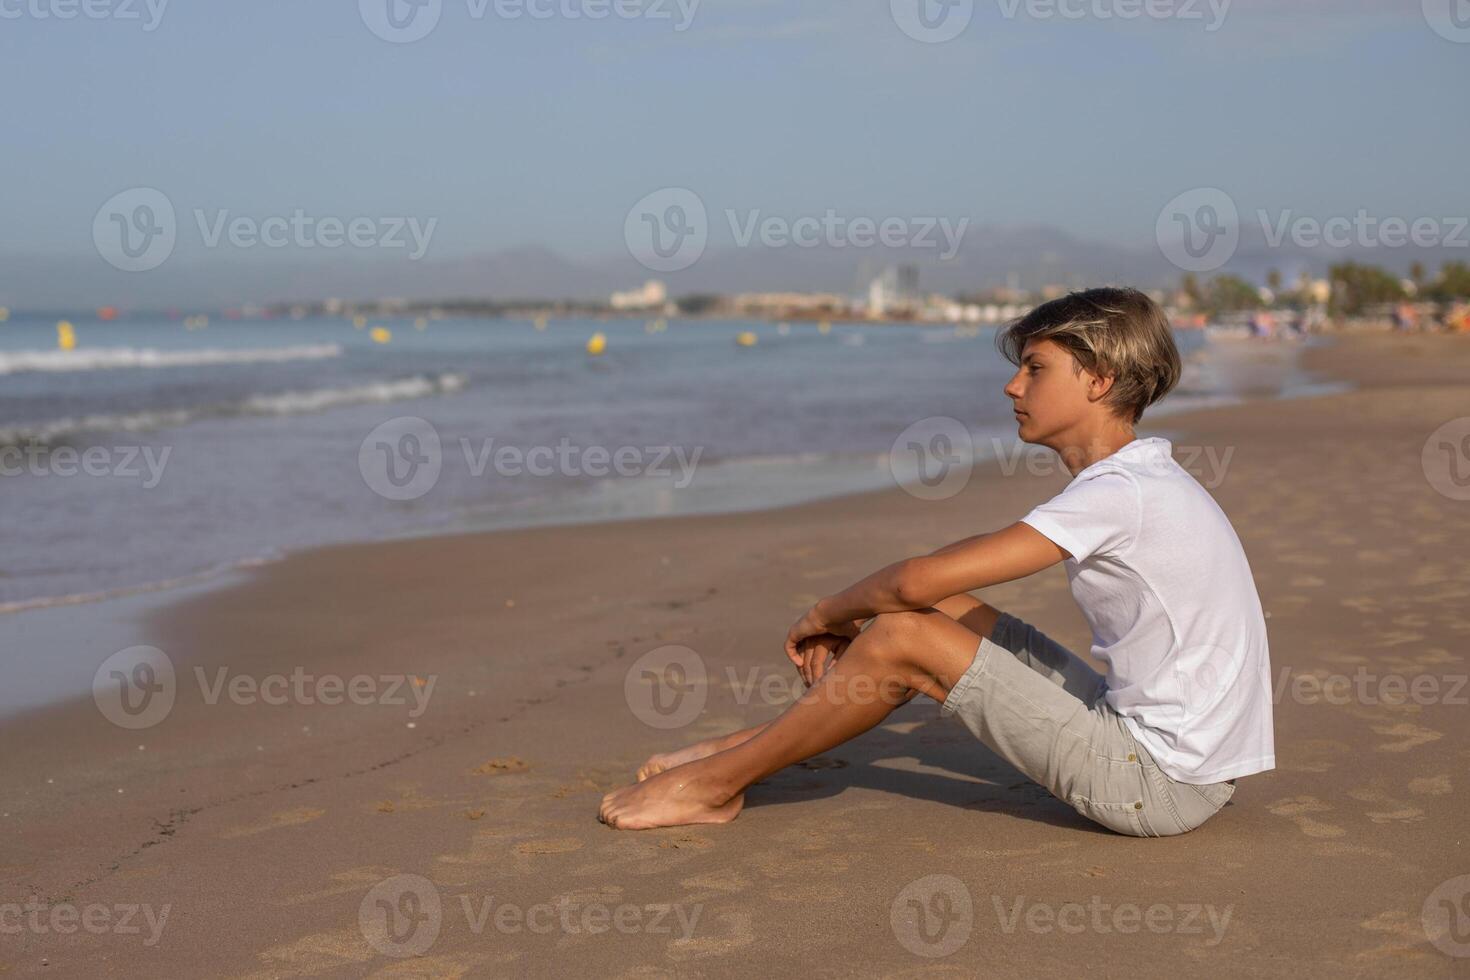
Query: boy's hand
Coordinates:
[818,653]
[811,625]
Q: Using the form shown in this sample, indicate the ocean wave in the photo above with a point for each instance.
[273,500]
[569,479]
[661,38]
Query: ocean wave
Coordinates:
[282,403]
[109,358]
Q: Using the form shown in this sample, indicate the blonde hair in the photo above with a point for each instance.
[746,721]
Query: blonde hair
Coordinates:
[1109,332]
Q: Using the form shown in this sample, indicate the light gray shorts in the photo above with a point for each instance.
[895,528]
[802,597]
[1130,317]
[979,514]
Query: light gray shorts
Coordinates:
[1039,707]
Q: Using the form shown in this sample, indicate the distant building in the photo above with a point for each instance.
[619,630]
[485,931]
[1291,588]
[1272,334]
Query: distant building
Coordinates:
[894,290]
[787,304]
[653,295]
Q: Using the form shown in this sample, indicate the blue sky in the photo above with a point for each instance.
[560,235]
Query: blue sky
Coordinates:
[515,132]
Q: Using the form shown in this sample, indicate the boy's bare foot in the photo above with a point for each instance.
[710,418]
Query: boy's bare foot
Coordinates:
[662,761]
[667,799]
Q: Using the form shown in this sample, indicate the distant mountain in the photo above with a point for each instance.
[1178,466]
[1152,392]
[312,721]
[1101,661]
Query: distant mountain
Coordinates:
[1029,257]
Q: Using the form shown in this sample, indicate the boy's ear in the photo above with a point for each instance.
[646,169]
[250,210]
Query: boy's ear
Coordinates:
[1099,385]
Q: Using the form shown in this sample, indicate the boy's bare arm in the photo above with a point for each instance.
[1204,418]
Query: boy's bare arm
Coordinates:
[918,583]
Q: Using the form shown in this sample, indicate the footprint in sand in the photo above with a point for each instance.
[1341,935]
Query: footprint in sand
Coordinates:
[1410,736]
[1430,785]
[736,933]
[1299,810]
[1391,810]
[353,881]
[286,818]
[1408,936]
[554,845]
[498,767]
[727,881]
[806,893]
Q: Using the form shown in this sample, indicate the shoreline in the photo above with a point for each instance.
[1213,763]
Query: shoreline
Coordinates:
[529,634]
[735,485]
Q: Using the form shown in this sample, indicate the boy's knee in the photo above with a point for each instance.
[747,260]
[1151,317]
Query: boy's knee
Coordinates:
[898,627]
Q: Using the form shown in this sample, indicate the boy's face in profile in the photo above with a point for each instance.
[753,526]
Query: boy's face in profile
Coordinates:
[1050,392]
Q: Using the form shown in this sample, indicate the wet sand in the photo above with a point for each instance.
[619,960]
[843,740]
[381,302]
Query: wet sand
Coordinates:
[264,829]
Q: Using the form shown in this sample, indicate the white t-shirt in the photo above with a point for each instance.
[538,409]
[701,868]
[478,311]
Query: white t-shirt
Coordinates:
[1163,582]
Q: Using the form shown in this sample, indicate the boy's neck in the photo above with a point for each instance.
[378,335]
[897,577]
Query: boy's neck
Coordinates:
[1081,452]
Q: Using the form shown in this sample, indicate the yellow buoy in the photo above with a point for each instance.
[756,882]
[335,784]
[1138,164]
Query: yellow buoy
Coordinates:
[825,327]
[4,313]
[746,338]
[597,343]
[541,322]
[421,323]
[380,335]
[66,337]
[359,322]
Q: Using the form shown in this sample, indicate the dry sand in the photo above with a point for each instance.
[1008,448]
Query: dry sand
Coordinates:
[262,829]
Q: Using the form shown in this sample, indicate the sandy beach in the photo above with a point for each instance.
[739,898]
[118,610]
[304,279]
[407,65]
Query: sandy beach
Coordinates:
[501,696]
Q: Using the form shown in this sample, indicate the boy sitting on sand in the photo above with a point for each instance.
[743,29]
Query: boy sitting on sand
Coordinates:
[1152,749]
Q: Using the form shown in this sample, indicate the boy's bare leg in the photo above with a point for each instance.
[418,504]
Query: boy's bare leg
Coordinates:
[964,608]
[924,651]
[699,750]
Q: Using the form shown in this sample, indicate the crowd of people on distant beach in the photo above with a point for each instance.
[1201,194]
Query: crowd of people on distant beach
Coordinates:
[1451,318]
[1404,318]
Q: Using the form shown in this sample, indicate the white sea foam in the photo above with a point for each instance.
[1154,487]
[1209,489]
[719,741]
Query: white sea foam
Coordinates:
[281,403]
[109,358]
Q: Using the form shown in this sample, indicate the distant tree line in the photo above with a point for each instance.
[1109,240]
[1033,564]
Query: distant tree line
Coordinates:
[1355,287]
